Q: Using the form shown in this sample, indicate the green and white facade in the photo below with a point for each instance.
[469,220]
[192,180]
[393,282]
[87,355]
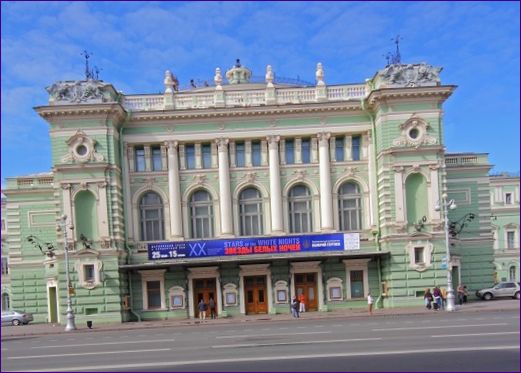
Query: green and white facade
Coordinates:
[238,160]
[504,196]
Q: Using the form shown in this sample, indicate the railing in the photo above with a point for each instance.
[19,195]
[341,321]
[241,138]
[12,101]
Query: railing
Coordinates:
[143,103]
[462,160]
[188,100]
[34,182]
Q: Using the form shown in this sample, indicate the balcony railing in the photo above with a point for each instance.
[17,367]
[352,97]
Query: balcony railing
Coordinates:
[195,100]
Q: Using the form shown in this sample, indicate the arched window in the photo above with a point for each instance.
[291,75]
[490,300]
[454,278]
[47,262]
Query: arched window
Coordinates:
[512,273]
[350,207]
[250,212]
[201,215]
[300,209]
[151,217]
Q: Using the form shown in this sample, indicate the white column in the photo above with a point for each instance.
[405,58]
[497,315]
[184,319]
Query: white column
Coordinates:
[398,194]
[174,192]
[434,193]
[103,215]
[275,189]
[67,209]
[372,182]
[326,197]
[225,195]
[127,166]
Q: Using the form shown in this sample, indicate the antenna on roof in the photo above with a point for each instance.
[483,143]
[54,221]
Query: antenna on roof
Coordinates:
[88,72]
[397,58]
[97,71]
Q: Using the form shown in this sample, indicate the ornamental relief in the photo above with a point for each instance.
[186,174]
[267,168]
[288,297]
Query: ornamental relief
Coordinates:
[82,149]
[414,133]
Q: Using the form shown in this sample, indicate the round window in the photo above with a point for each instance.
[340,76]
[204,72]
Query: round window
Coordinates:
[414,133]
[81,150]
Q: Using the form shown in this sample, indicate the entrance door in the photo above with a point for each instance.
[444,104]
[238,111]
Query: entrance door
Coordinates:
[255,294]
[204,288]
[306,283]
[53,309]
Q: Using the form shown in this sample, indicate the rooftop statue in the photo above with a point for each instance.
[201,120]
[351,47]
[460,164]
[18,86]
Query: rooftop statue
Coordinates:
[410,75]
[84,91]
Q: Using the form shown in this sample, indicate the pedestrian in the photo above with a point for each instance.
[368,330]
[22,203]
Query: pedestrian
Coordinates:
[213,312]
[370,301]
[295,307]
[437,298]
[461,294]
[443,298]
[465,293]
[302,300]
[427,297]
[202,309]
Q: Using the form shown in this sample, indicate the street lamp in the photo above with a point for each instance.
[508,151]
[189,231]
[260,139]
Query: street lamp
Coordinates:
[446,206]
[70,313]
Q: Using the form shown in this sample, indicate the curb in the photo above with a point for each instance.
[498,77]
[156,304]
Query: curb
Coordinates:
[173,323]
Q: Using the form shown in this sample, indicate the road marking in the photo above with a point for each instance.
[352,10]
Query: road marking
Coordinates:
[296,343]
[470,335]
[108,343]
[266,335]
[171,363]
[87,353]
[439,326]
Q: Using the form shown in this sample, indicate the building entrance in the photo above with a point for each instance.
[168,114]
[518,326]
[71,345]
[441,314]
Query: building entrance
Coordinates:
[306,283]
[255,295]
[204,288]
[53,310]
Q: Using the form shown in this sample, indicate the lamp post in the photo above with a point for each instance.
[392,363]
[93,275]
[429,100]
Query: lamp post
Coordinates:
[70,313]
[445,206]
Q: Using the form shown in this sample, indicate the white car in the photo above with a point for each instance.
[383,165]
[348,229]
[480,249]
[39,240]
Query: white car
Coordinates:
[16,318]
[503,289]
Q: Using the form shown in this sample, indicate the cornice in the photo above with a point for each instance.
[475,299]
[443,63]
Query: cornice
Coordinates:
[245,111]
[410,92]
[103,110]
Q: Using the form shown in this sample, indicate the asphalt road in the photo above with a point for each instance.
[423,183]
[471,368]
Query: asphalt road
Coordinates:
[483,341]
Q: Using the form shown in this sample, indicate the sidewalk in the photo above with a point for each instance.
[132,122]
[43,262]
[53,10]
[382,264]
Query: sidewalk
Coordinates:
[11,332]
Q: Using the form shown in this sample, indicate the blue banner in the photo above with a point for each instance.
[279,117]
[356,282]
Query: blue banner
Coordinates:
[254,246]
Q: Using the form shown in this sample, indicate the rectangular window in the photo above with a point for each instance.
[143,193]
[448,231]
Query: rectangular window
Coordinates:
[418,255]
[339,149]
[240,158]
[306,150]
[154,294]
[177,301]
[5,266]
[206,151]
[357,284]
[290,151]
[508,198]
[88,273]
[190,156]
[281,296]
[511,240]
[139,155]
[156,158]
[355,147]
[335,293]
[255,153]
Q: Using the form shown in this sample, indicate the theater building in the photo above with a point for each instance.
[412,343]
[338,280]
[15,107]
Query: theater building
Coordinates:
[248,193]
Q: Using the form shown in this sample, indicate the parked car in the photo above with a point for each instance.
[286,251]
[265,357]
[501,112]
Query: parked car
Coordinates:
[16,317]
[502,289]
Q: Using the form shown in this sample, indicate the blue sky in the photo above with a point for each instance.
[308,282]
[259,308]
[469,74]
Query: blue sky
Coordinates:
[477,43]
